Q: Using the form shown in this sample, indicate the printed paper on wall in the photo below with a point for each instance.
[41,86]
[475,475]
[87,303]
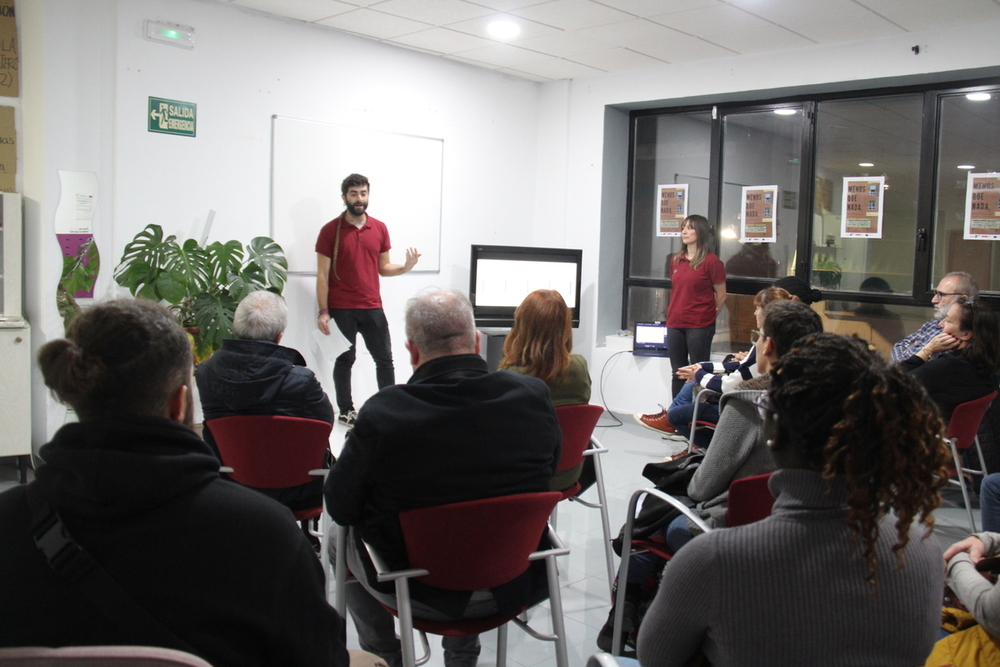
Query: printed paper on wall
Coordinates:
[759,220]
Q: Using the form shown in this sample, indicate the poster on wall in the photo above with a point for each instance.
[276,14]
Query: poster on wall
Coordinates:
[862,207]
[759,223]
[982,207]
[9,78]
[673,209]
[8,149]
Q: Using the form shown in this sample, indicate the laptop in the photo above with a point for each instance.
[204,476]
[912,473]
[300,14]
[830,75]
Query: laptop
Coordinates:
[650,339]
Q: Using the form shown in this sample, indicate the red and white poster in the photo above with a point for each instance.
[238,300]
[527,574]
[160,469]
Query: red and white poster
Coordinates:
[982,207]
[759,222]
[861,207]
[673,209]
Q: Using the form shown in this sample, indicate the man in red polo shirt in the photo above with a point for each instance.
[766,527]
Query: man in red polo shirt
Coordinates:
[352,251]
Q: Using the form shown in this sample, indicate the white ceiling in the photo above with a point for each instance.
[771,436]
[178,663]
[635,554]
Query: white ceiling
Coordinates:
[563,39]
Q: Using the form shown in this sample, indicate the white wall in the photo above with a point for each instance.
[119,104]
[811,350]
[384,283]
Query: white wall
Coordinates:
[245,68]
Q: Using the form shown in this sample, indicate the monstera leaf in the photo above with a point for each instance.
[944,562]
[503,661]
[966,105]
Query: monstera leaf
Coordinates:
[203,285]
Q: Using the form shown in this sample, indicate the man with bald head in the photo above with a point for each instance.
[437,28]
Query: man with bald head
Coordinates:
[453,432]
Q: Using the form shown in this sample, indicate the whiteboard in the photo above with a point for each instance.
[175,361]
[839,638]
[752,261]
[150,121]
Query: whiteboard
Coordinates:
[309,159]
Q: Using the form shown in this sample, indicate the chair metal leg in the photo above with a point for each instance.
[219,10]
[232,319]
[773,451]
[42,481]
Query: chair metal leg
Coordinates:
[555,606]
[340,571]
[605,523]
[962,484]
[405,622]
[502,646]
[616,640]
[425,646]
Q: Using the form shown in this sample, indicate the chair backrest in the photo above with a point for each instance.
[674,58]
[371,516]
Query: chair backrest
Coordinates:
[476,544]
[965,420]
[271,452]
[98,656]
[749,500]
[577,424]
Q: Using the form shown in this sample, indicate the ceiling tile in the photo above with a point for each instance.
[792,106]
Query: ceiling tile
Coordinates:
[303,10]
[477,26]
[507,5]
[502,55]
[562,44]
[442,40]
[927,15]
[647,8]
[572,14]
[733,28]
[435,12]
[370,23]
[557,68]
[524,75]
[656,41]
[826,21]
[616,60]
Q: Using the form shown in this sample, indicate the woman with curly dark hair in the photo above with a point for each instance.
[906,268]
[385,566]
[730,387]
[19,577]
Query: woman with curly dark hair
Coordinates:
[845,571]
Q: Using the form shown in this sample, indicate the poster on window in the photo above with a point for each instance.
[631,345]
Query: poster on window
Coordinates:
[759,223]
[862,207]
[982,207]
[673,209]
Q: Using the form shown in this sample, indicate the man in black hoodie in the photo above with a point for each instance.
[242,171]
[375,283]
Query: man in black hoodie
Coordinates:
[184,559]
[254,375]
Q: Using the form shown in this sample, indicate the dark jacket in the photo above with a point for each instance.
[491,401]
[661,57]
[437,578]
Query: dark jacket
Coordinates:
[950,379]
[254,377]
[454,432]
[223,568]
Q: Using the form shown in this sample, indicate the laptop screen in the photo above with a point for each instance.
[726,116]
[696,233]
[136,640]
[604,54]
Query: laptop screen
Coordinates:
[650,339]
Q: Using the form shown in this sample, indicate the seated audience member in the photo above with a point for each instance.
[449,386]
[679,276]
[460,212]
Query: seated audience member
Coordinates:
[676,426]
[737,450]
[978,644]
[453,432]
[540,344]
[221,571]
[680,414]
[959,364]
[845,570]
[254,375]
[953,286]
[989,502]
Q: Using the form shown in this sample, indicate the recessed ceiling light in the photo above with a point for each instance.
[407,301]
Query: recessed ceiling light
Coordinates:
[866,164]
[966,166]
[503,29]
[785,112]
[979,97]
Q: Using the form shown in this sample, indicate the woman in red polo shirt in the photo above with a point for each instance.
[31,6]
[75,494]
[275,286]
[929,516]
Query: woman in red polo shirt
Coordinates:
[697,295]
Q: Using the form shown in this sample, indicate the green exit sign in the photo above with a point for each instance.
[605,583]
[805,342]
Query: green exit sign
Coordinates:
[172,117]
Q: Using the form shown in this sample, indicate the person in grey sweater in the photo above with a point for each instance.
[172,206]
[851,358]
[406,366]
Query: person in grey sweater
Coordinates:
[979,596]
[845,571]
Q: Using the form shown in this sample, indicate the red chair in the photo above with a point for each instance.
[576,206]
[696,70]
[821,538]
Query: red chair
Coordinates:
[962,433]
[272,452]
[696,424]
[470,546]
[577,424]
[749,500]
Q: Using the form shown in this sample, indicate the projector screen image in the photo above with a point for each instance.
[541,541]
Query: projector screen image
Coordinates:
[502,276]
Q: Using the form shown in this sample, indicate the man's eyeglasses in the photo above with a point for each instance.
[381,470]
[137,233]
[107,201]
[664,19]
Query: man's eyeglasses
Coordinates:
[755,336]
[942,295]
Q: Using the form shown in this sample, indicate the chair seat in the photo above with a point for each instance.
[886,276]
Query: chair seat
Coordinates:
[308,513]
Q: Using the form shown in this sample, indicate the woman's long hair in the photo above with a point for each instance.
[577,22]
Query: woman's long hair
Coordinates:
[983,349]
[844,412]
[541,338]
[703,243]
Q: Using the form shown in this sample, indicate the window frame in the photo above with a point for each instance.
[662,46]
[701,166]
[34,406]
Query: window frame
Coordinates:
[924,229]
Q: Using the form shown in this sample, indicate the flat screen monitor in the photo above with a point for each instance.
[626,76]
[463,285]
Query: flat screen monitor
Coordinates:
[501,276]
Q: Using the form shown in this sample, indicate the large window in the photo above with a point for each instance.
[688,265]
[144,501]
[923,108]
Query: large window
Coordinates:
[915,147]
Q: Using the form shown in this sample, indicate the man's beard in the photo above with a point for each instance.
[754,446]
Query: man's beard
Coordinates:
[358,209]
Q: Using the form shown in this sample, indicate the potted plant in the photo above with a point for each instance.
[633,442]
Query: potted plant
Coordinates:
[79,274]
[203,285]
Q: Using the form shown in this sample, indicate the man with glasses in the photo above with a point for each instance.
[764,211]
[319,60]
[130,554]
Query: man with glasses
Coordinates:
[953,286]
